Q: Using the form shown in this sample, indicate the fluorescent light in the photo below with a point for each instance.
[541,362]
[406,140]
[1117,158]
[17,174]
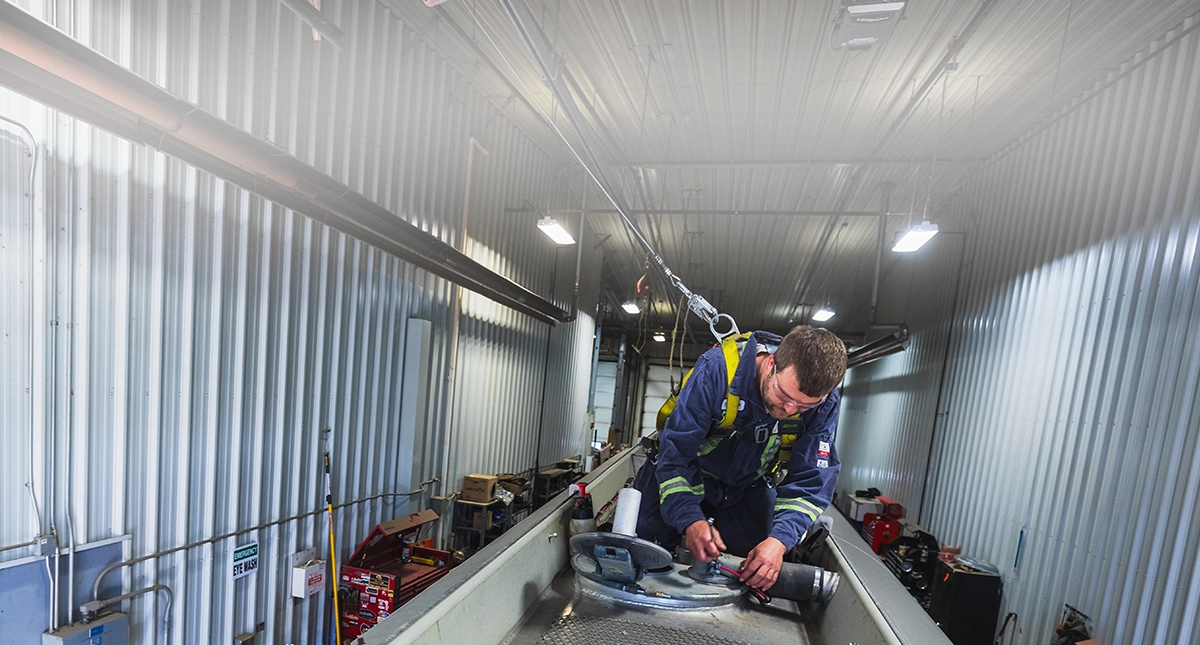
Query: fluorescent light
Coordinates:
[659,337]
[631,307]
[556,232]
[876,7]
[916,237]
[823,314]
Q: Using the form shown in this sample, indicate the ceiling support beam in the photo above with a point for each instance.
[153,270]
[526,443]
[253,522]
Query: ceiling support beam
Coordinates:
[613,211]
[52,68]
[783,165]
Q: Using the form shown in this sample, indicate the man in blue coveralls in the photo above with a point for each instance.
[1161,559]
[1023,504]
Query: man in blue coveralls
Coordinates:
[731,468]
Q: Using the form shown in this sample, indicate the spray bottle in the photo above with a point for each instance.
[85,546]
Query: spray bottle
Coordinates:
[583,519]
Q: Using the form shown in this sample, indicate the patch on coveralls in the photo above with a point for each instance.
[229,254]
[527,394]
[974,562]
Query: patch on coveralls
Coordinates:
[823,449]
[822,463]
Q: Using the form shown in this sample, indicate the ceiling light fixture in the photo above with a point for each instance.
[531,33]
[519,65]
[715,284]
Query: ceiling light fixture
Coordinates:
[915,237]
[863,23]
[823,314]
[631,307]
[659,337]
[557,233]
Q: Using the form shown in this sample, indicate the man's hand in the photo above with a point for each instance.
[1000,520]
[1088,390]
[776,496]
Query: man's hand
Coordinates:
[761,568]
[704,541]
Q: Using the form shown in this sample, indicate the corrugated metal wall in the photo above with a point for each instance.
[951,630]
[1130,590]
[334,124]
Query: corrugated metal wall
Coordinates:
[174,346]
[1070,412]
[888,406]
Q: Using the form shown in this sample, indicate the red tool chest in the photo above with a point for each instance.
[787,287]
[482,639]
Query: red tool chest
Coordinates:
[879,530]
[386,571]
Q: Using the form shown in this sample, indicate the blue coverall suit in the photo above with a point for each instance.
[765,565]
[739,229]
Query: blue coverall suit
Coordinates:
[699,473]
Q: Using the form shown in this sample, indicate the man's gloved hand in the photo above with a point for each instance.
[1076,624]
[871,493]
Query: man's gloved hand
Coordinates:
[761,567]
[704,541]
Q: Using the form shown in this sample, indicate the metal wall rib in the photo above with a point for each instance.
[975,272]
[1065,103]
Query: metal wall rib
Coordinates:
[182,343]
[1070,415]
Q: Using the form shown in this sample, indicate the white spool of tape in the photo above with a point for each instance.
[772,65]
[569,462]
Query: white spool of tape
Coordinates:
[629,500]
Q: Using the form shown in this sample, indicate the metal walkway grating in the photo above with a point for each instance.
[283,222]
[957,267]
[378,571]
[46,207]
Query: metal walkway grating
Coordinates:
[588,630]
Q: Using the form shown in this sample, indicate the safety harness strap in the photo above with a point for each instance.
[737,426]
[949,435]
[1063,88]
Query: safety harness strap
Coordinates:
[731,350]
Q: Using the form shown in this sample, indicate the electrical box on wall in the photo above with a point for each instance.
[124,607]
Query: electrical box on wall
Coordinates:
[308,578]
[109,629]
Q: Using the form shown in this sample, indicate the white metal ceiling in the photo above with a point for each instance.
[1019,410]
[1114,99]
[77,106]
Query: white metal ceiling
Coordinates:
[743,105]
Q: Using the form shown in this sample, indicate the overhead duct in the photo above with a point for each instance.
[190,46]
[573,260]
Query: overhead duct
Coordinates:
[51,67]
[893,343]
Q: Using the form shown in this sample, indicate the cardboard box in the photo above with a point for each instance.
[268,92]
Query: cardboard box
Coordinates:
[406,523]
[479,488]
[482,520]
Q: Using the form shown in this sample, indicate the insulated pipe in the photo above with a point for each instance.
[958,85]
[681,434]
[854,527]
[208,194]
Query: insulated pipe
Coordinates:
[50,67]
[28,47]
[799,582]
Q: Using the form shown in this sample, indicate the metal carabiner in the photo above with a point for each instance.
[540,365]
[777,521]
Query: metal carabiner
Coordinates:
[733,328]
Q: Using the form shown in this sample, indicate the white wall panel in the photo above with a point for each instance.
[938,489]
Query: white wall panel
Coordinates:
[179,346]
[606,393]
[658,387]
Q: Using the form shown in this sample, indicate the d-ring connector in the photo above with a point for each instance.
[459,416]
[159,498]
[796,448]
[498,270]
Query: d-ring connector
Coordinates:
[733,328]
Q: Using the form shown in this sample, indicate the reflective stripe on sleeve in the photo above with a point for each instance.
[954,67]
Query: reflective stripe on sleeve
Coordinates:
[678,485]
[799,504]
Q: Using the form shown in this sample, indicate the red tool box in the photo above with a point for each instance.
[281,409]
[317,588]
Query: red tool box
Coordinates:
[879,530]
[385,572]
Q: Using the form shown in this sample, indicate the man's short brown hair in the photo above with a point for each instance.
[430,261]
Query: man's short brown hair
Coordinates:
[818,356]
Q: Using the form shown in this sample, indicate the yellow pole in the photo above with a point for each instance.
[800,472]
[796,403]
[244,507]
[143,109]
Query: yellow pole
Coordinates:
[337,615]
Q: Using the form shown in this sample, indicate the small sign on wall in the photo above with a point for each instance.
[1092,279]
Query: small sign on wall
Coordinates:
[245,560]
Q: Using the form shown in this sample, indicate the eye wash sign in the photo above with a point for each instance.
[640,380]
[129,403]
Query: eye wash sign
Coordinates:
[245,560]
